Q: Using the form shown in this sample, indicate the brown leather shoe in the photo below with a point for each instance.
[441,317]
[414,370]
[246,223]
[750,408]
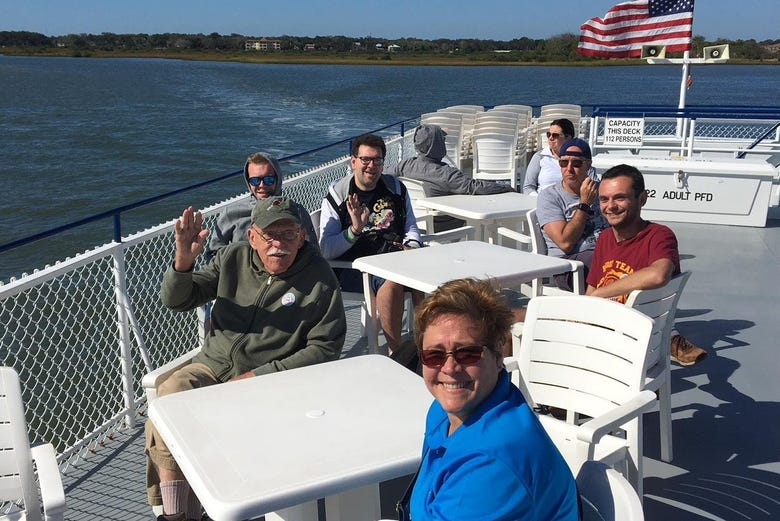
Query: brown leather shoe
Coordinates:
[684,352]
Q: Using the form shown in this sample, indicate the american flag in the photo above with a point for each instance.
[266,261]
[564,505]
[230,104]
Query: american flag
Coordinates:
[630,25]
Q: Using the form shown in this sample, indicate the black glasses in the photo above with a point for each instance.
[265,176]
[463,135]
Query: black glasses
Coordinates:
[576,163]
[554,135]
[466,355]
[283,236]
[267,180]
[378,161]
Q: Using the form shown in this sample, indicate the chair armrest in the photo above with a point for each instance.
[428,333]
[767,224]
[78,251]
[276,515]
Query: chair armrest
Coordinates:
[456,234]
[578,268]
[340,264]
[594,429]
[49,481]
[152,379]
[502,232]
[511,364]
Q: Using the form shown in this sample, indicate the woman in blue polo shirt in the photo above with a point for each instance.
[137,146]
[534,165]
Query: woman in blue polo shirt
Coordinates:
[485,454]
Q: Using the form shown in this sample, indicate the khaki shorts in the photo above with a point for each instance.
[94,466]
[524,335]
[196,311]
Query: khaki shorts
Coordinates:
[191,376]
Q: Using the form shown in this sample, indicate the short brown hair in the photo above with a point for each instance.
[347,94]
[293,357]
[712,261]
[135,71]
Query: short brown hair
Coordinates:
[369,140]
[632,172]
[477,300]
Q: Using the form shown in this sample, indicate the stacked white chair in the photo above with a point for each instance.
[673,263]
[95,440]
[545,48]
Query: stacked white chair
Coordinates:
[586,356]
[17,479]
[496,148]
[556,111]
[524,113]
[452,124]
[468,114]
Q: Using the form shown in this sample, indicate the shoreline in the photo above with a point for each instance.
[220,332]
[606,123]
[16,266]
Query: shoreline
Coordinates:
[475,60]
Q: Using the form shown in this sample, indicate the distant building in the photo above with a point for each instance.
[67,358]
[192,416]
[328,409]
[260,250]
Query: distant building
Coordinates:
[775,47]
[393,47]
[309,47]
[263,44]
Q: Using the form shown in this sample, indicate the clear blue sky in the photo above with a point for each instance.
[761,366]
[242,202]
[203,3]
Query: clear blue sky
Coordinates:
[428,19]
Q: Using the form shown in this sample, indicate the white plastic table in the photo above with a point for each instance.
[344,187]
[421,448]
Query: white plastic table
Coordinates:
[273,444]
[425,269]
[484,212]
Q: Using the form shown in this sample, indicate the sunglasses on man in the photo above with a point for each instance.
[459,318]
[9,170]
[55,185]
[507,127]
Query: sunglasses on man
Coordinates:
[267,180]
[576,163]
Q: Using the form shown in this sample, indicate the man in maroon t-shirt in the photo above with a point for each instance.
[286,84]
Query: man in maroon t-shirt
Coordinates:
[635,254]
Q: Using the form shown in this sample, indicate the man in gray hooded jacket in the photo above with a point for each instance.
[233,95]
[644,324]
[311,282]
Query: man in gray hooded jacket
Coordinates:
[439,178]
[263,177]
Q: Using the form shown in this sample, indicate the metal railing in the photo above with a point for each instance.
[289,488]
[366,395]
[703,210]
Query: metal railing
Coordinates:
[84,331]
[740,131]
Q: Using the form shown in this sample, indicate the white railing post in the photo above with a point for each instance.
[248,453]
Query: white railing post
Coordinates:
[691,134]
[123,329]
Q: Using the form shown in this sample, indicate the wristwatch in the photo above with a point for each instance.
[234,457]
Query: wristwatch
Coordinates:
[585,208]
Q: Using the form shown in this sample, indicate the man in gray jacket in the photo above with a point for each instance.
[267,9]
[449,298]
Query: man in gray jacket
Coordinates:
[263,177]
[277,306]
[438,177]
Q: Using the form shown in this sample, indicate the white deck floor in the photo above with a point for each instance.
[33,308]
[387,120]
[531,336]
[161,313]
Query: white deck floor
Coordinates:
[726,409]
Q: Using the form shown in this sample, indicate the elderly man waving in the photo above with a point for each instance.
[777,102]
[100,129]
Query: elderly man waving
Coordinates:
[277,306]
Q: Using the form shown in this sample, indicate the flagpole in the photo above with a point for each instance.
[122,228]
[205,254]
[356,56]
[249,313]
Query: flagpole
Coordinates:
[686,68]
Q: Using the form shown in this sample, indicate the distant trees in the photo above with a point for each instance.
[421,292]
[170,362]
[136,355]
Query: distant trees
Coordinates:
[559,48]
[24,39]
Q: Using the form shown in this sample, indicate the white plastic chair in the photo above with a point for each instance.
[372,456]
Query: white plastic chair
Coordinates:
[17,478]
[464,109]
[494,155]
[416,192]
[660,304]
[535,240]
[152,379]
[605,495]
[586,355]
[524,112]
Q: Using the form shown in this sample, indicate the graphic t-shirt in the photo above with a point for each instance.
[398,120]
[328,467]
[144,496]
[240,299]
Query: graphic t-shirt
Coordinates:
[614,260]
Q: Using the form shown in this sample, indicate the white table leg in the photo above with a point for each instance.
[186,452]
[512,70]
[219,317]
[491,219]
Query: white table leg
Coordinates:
[303,512]
[359,504]
[372,322]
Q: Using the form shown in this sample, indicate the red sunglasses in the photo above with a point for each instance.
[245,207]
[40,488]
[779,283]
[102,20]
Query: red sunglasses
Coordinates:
[466,355]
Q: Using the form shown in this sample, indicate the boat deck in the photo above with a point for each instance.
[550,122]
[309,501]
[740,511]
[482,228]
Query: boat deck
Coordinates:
[726,409]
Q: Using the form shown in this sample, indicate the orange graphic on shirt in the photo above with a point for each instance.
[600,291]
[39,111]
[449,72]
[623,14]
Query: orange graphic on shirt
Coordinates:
[614,270]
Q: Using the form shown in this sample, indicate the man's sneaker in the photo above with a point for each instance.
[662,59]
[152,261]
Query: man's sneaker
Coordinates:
[684,352]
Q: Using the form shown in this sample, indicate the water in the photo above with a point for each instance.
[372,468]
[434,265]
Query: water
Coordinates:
[81,136]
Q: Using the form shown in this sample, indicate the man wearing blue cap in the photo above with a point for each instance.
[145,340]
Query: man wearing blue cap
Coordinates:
[568,212]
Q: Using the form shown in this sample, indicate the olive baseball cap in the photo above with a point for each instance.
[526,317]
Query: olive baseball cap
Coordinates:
[268,211]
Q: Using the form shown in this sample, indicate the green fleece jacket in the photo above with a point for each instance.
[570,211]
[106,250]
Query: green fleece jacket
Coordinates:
[262,322]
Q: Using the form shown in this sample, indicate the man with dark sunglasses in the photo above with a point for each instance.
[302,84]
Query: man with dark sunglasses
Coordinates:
[568,211]
[263,177]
